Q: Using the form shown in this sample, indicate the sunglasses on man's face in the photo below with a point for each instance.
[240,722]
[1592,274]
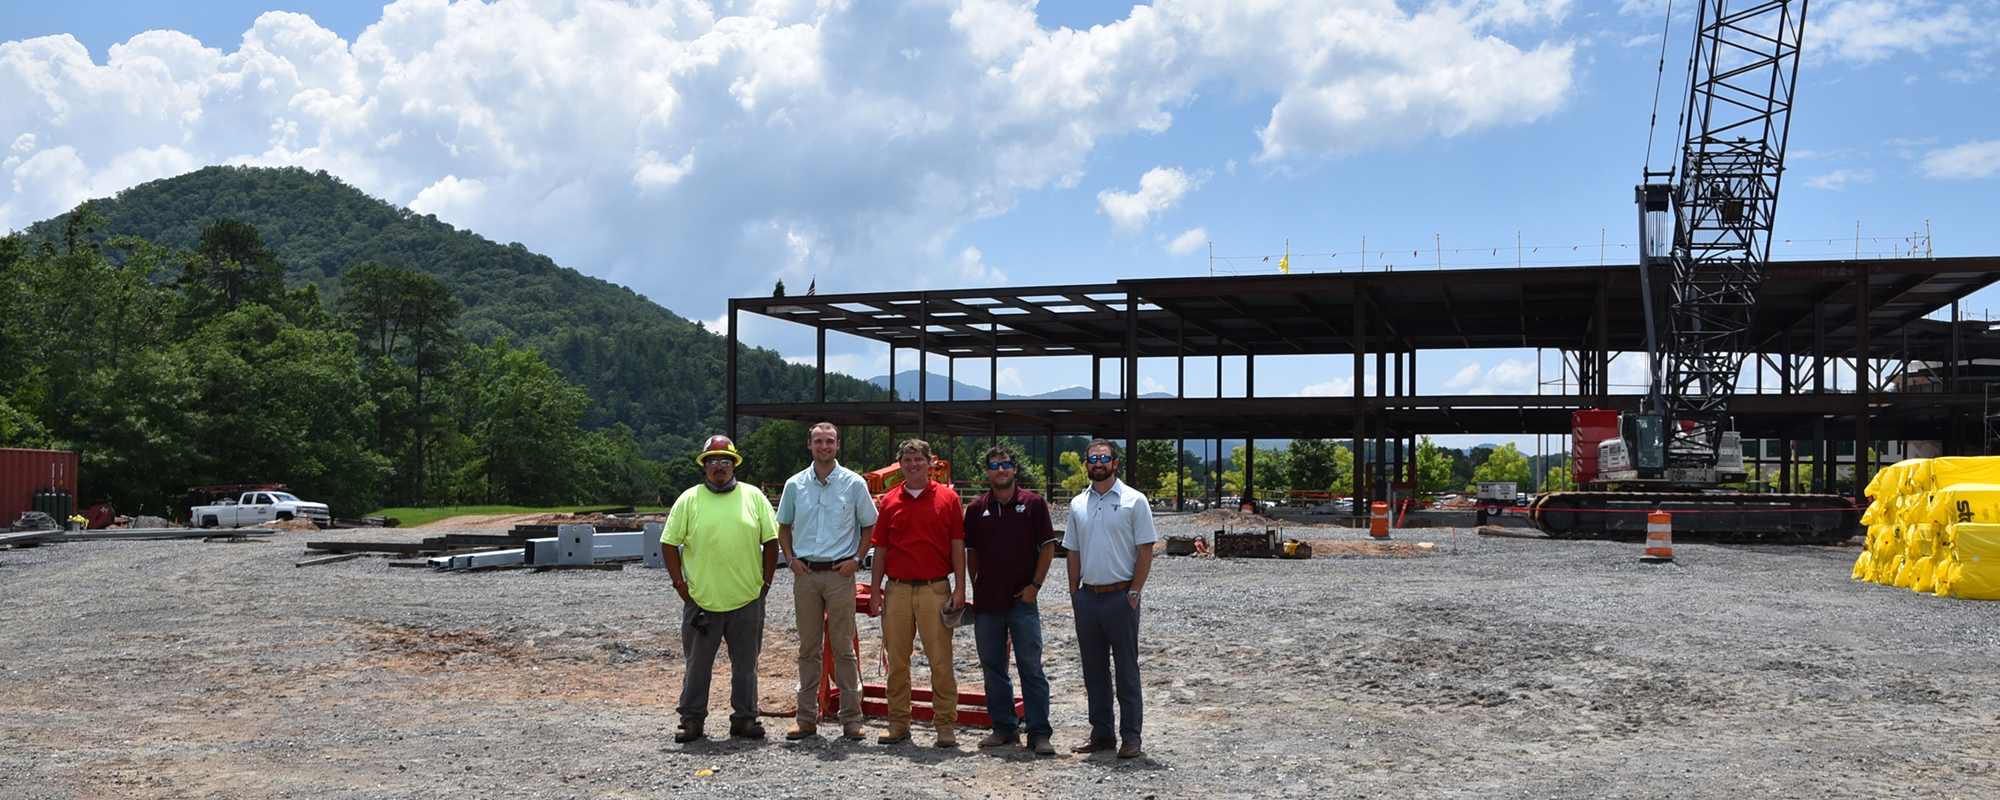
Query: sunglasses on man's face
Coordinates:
[718,462]
[999,465]
[1099,460]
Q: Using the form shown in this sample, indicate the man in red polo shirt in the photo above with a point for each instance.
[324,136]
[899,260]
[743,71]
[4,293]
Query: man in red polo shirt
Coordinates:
[920,554]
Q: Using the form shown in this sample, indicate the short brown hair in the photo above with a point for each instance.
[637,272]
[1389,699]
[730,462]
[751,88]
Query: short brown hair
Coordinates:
[1106,443]
[995,452]
[824,425]
[913,446]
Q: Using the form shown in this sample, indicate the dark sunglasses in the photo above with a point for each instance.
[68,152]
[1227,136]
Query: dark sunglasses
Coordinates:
[1100,459]
[999,465]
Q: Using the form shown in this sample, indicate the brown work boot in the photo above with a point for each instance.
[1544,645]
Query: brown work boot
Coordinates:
[947,737]
[746,729]
[690,731]
[896,734]
[1094,745]
[998,739]
[854,730]
[801,729]
[1130,749]
[1041,747]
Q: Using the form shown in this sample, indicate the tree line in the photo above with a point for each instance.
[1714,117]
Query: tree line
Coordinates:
[169,368]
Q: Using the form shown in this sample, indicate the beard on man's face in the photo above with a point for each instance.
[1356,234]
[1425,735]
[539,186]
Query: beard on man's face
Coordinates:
[1099,472]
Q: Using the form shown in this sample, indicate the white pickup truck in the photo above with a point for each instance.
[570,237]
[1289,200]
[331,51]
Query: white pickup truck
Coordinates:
[255,508]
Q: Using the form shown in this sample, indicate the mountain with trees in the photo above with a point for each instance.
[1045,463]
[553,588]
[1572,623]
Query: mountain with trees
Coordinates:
[241,324]
[641,365]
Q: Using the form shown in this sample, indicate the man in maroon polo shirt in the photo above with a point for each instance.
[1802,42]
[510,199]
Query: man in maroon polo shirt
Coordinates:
[1010,544]
[920,554]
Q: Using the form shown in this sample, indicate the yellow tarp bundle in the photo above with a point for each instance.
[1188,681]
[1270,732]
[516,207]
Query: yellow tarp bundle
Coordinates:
[1934,526]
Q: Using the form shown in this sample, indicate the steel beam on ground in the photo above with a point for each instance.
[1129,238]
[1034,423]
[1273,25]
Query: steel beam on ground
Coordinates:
[577,544]
[654,558]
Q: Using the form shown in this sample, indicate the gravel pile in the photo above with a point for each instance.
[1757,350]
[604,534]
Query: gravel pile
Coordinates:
[1482,667]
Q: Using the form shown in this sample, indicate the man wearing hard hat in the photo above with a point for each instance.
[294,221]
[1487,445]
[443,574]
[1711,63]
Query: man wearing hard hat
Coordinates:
[721,547]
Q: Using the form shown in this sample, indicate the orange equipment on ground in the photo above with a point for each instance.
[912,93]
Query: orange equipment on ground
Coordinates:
[883,479]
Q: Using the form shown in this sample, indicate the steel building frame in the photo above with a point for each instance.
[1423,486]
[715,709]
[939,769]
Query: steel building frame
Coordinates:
[1806,331]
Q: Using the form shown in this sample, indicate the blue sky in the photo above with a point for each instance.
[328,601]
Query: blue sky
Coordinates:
[699,151]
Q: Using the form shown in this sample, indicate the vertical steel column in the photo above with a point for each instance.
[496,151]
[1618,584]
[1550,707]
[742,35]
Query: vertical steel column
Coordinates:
[821,361]
[1360,396]
[923,365]
[729,379]
[1819,481]
[1601,384]
[1250,472]
[1131,386]
[1863,376]
[1050,478]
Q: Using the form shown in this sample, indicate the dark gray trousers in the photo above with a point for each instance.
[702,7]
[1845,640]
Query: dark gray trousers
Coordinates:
[743,630]
[1107,631]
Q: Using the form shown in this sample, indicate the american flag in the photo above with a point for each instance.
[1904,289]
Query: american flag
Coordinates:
[812,288]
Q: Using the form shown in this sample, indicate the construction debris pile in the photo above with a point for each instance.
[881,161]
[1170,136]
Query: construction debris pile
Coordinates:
[1934,526]
[555,541]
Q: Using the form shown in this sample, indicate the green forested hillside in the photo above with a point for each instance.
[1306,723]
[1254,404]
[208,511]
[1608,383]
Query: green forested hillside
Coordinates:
[641,365]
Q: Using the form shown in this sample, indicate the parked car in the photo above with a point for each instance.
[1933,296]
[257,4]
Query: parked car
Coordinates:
[256,508]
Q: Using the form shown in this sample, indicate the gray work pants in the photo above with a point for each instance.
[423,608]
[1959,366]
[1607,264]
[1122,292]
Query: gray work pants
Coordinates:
[743,630]
[1107,631]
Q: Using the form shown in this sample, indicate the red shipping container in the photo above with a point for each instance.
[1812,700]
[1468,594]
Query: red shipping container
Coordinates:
[25,472]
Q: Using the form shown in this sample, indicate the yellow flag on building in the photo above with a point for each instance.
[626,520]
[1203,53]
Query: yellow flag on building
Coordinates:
[1285,264]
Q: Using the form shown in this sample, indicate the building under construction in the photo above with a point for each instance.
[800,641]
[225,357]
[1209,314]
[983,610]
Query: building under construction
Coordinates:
[1850,356]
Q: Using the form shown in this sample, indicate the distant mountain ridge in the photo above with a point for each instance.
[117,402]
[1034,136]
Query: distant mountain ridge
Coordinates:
[940,387]
[643,365]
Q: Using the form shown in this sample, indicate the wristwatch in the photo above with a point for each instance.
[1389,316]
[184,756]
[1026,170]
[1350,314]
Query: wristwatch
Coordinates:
[1036,584]
[1132,592]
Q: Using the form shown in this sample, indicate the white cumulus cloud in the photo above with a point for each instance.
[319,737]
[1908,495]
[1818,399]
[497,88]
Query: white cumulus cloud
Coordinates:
[1188,242]
[1969,160]
[1871,30]
[1160,190]
[1510,376]
[695,150]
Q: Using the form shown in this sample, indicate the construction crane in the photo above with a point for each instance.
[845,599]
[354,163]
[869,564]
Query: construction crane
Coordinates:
[1707,225]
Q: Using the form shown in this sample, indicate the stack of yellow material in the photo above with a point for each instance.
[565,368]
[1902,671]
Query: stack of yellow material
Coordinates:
[1934,526]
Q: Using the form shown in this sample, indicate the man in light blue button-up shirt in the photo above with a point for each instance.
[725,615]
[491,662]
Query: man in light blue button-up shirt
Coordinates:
[1110,542]
[824,522]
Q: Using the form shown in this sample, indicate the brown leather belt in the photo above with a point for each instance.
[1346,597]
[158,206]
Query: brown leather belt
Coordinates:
[1109,587]
[925,582]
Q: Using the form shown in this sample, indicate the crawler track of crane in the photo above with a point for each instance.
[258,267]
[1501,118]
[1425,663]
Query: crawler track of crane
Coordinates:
[1711,516]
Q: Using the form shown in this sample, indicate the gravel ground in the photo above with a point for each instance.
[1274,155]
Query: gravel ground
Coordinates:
[1488,667]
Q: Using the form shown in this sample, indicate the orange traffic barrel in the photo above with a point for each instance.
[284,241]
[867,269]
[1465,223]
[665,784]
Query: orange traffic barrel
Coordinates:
[1378,519]
[1659,537]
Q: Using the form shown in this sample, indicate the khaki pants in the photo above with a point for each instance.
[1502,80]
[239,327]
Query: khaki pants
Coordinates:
[825,605]
[919,610]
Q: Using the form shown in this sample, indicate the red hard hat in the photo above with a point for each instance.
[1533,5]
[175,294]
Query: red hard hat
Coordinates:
[719,445]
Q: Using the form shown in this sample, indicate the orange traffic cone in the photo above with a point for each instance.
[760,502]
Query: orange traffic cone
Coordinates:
[1659,538]
[1378,519]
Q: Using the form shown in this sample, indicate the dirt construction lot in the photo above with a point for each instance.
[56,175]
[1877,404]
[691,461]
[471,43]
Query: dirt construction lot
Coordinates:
[1504,668]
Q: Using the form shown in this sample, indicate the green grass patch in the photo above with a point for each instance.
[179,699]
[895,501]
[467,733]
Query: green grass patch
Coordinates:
[425,516]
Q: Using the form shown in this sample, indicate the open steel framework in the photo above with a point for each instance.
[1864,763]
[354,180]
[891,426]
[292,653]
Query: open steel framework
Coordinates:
[1918,381]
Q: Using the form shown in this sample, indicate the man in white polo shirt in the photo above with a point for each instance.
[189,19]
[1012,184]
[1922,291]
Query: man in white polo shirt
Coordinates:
[1110,543]
[824,521]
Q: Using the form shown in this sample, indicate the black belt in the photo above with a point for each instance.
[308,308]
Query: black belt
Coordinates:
[924,582]
[1109,587]
[822,566]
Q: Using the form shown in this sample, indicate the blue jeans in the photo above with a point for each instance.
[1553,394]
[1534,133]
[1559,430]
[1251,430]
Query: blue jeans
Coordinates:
[991,632]
[1107,631]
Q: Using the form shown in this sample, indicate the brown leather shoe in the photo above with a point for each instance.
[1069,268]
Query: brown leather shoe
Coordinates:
[801,730]
[1041,747]
[1095,745]
[854,730]
[746,729]
[894,735]
[1130,749]
[947,737]
[998,739]
[690,731]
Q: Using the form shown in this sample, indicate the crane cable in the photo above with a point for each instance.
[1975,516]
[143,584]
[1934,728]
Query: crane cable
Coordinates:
[1659,78]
